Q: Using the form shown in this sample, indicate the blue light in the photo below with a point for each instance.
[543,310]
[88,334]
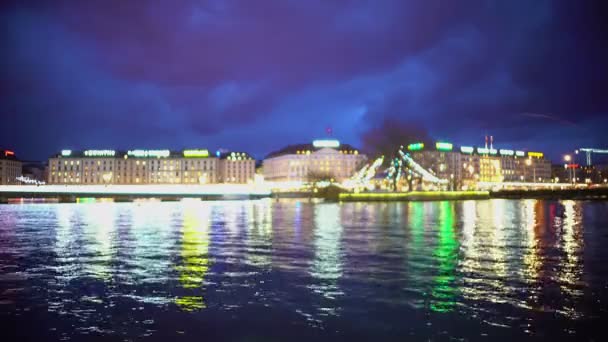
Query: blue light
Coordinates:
[217,153]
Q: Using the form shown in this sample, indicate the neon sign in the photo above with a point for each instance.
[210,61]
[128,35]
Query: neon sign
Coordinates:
[149,153]
[415,147]
[99,153]
[444,146]
[326,143]
[196,153]
[466,149]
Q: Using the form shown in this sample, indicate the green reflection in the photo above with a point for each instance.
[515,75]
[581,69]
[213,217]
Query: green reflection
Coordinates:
[444,291]
[194,253]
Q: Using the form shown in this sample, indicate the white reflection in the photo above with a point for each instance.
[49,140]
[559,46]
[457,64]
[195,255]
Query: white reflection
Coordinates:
[327,264]
[151,229]
[571,270]
[98,230]
[259,239]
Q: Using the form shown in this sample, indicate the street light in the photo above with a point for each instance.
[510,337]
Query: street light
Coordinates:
[568,158]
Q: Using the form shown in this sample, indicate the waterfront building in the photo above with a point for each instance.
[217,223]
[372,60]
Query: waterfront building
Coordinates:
[236,167]
[306,162]
[464,166]
[191,166]
[10,167]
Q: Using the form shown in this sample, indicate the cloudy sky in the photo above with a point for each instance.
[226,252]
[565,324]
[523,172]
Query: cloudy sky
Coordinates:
[257,75]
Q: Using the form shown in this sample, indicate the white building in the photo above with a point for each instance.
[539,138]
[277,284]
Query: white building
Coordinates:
[236,167]
[306,162]
[193,166]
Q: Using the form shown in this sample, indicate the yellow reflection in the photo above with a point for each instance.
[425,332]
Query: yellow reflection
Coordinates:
[194,253]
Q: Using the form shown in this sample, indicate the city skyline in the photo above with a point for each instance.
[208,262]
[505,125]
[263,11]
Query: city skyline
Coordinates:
[256,77]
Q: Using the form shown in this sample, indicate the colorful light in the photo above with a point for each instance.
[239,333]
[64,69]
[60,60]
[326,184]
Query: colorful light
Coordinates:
[506,152]
[493,151]
[535,154]
[66,153]
[415,147]
[483,150]
[99,153]
[466,149]
[444,146]
[326,143]
[8,153]
[196,153]
[520,153]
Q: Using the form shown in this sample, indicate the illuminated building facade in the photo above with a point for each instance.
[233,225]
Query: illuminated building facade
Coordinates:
[467,165]
[236,167]
[194,166]
[321,159]
[10,167]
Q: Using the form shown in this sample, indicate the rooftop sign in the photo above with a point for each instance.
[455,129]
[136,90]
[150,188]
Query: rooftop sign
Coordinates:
[444,146]
[99,153]
[466,149]
[415,147]
[326,143]
[149,153]
[196,153]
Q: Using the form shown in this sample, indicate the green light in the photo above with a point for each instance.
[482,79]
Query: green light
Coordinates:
[444,146]
[520,153]
[196,153]
[444,291]
[415,147]
[66,153]
[466,149]
[506,152]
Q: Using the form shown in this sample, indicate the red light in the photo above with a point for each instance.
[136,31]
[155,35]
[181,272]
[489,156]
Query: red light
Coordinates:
[572,166]
[8,153]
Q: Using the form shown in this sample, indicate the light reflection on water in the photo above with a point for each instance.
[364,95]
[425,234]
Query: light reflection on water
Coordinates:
[131,269]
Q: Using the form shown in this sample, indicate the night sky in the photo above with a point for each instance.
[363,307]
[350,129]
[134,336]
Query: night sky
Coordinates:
[258,75]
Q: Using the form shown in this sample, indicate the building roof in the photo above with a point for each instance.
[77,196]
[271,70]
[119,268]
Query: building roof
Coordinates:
[8,155]
[137,153]
[293,149]
[233,155]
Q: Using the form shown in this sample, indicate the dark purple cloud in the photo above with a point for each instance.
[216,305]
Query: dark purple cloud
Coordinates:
[256,75]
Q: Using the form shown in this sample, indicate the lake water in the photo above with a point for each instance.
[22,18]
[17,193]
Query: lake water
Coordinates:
[292,270]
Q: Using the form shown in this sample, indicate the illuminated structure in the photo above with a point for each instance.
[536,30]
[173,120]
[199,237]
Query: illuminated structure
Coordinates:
[321,159]
[464,166]
[236,167]
[191,166]
[10,167]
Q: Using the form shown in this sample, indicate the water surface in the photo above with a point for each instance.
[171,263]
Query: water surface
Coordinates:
[276,271]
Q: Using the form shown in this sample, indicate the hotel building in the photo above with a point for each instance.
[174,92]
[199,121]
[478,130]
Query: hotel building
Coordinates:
[10,168]
[236,167]
[303,162]
[193,166]
[467,165]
